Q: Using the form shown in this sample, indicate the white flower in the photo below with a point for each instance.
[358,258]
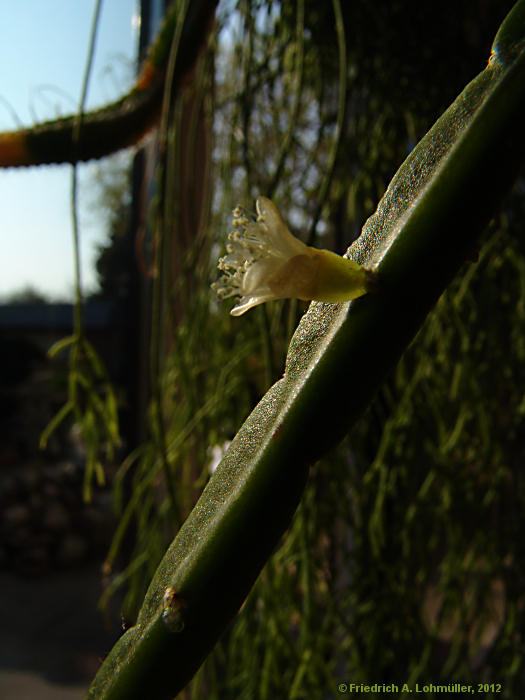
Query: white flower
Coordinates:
[265,261]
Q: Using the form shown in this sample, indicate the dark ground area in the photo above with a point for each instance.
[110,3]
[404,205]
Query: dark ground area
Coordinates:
[52,544]
[52,637]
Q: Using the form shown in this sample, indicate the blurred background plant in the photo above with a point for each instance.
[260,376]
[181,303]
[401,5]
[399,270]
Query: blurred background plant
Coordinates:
[404,559]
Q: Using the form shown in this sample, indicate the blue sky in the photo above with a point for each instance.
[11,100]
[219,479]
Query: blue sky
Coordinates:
[43,51]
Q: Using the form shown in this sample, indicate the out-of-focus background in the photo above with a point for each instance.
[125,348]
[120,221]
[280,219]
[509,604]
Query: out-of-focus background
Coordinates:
[52,544]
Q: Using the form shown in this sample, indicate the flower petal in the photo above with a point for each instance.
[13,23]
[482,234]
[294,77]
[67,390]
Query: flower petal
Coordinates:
[265,261]
[281,241]
[248,302]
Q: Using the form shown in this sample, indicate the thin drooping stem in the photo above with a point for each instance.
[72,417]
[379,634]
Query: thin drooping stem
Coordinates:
[341,109]
[78,330]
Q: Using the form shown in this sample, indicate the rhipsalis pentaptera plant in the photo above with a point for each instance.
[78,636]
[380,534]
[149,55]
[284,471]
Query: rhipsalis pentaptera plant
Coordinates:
[424,228]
